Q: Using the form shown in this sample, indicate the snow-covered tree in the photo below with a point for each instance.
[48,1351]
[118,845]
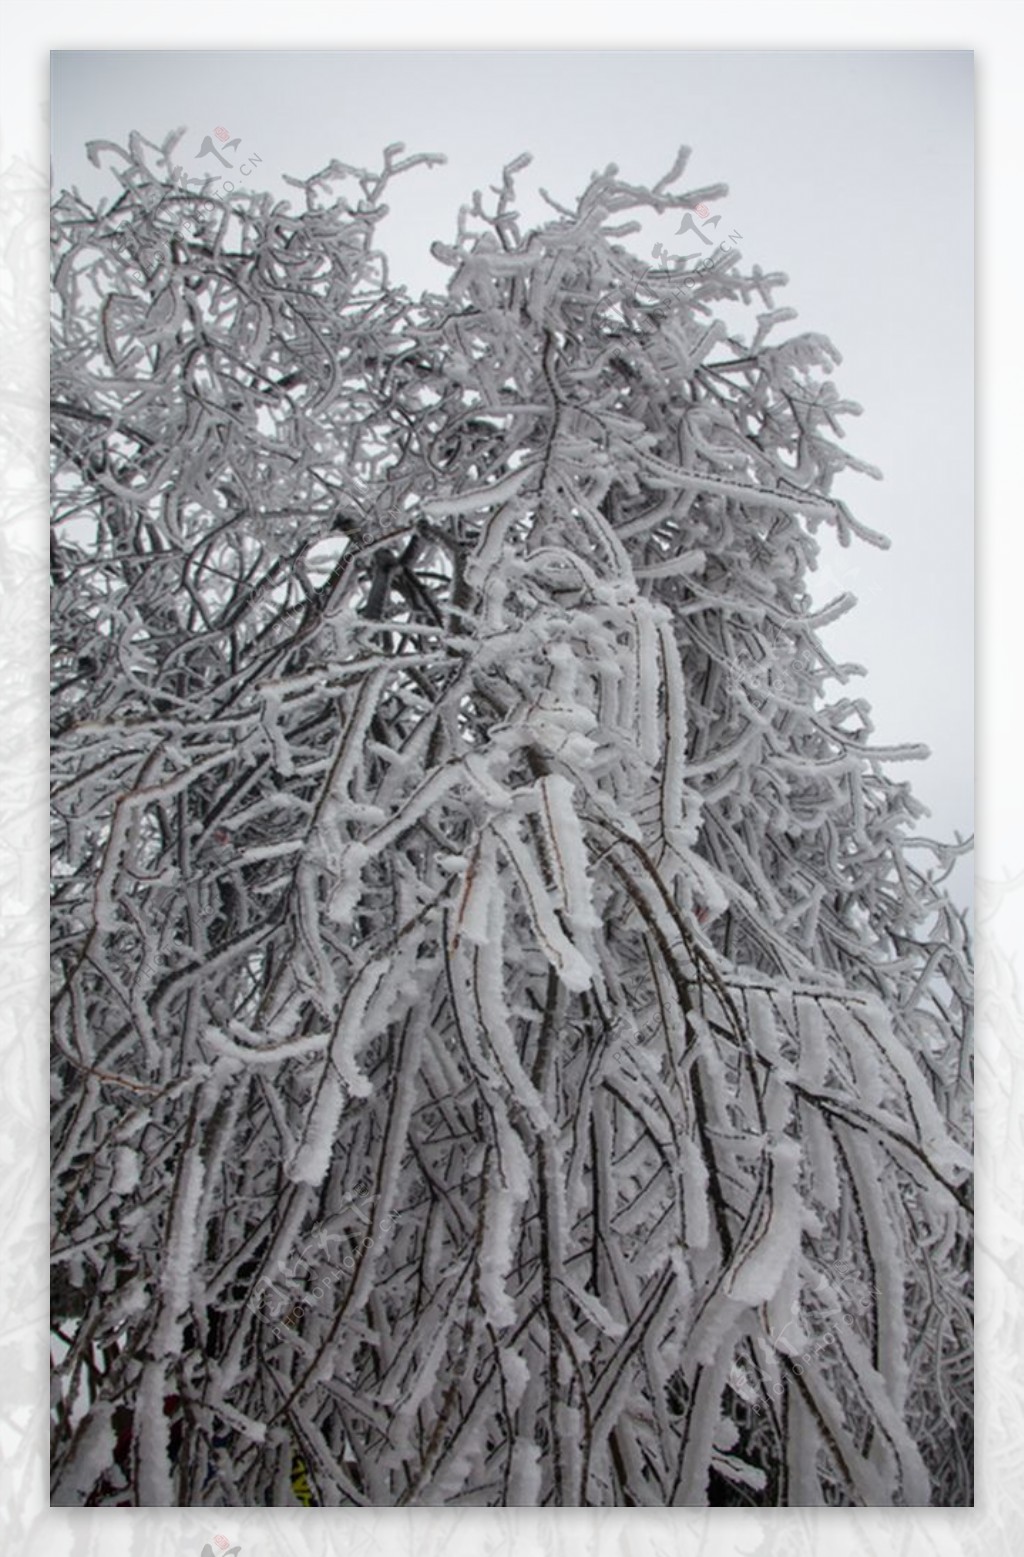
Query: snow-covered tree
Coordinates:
[511,1046]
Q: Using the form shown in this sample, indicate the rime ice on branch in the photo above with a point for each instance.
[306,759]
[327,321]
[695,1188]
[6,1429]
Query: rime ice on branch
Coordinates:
[458,814]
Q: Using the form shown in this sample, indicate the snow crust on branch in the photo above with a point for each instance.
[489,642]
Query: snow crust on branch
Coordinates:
[517,901]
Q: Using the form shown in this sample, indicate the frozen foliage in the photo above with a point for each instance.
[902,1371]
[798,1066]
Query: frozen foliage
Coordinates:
[516,894]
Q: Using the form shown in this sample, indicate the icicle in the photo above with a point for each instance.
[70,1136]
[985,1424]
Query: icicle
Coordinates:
[152,1438]
[505,1198]
[934,1137]
[569,852]
[648,679]
[873,1181]
[763,1269]
[764,1030]
[820,1154]
[472,915]
[183,1243]
[341,1076]
[694,1194]
[570,965]
[814,1057]
[493,1014]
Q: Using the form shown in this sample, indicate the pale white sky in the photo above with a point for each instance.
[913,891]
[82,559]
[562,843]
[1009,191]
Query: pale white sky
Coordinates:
[849,170]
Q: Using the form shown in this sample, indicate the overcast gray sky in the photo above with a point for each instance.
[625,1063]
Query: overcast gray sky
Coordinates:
[849,170]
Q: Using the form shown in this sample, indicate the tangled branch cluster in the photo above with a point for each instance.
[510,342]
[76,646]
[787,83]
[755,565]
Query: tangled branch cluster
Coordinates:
[401,767]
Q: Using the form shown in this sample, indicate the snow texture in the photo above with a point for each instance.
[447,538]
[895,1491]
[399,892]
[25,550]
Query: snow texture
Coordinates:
[508,1049]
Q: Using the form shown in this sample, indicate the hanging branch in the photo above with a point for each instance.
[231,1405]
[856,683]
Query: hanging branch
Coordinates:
[507,1048]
